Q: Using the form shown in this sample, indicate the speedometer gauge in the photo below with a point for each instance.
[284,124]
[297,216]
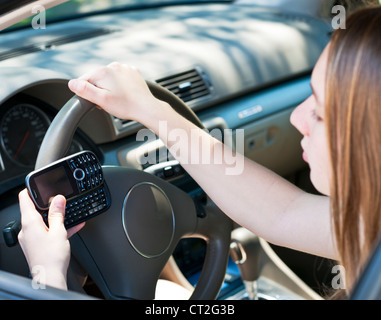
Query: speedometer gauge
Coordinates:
[23,128]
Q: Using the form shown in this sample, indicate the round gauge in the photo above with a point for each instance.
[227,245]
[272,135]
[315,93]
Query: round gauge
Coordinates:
[23,128]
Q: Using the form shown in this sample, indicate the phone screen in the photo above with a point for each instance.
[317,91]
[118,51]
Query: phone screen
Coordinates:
[53,182]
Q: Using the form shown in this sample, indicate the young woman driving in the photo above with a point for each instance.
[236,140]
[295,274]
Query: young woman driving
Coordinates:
[340,124]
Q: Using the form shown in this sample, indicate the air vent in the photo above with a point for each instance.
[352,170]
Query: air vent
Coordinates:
[54,42]
[188,85]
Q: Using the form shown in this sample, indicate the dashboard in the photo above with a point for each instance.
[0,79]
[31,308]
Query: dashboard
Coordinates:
[237,66]
[221,52]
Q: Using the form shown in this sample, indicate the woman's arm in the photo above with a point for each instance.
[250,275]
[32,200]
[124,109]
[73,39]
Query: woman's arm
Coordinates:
[255,198]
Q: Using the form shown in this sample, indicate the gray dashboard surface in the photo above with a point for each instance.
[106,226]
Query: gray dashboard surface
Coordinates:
[239,47]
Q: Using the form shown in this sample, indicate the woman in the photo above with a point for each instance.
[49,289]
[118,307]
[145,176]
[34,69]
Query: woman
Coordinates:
[342,135]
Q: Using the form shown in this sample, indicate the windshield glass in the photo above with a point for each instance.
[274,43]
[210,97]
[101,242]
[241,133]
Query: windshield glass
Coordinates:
[76,8]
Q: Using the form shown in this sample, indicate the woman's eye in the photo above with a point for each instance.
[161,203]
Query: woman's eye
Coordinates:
[315,116]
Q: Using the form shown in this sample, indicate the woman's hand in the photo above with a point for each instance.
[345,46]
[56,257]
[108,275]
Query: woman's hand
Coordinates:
[47,250]
[118,89]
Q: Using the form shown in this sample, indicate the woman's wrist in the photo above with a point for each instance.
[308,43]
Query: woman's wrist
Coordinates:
[51,278]
[160,111]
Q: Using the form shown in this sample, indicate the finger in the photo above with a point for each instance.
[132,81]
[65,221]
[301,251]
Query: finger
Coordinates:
[88,91]
[56,213]
[114,64]
[29,214]
[85,77]
[135,68]
[75,229]
[94,75]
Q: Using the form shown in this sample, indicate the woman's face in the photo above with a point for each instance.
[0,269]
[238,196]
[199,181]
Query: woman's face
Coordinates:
[309,119]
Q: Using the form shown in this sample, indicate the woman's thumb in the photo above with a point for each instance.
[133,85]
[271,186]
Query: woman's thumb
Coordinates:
[56,213]
[87,91]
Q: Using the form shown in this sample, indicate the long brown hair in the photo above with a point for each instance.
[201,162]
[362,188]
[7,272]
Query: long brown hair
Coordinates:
[352,5]
[353,110]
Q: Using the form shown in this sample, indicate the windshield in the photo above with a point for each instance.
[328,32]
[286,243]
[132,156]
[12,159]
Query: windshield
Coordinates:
[76,8]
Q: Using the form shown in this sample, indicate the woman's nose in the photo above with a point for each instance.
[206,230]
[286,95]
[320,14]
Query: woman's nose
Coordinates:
[299,118]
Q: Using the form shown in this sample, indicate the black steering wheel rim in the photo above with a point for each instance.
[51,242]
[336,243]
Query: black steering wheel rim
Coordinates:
[215,227]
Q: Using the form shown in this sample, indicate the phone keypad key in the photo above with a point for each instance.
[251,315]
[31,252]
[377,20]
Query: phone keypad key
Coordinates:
[85,206]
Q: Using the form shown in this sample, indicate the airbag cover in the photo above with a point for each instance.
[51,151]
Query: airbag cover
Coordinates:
[154,215]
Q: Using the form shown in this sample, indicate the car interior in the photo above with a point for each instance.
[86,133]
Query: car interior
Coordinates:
[227,65]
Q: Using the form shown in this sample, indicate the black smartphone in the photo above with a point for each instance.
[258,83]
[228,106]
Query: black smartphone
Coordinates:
[79,178]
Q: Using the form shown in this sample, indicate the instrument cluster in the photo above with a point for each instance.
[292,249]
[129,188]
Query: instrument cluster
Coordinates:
[24,121]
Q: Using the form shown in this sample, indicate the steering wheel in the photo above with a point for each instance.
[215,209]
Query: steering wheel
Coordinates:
[125,248]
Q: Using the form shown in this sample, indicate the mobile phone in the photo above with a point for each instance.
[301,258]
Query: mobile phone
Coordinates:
[79,178]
